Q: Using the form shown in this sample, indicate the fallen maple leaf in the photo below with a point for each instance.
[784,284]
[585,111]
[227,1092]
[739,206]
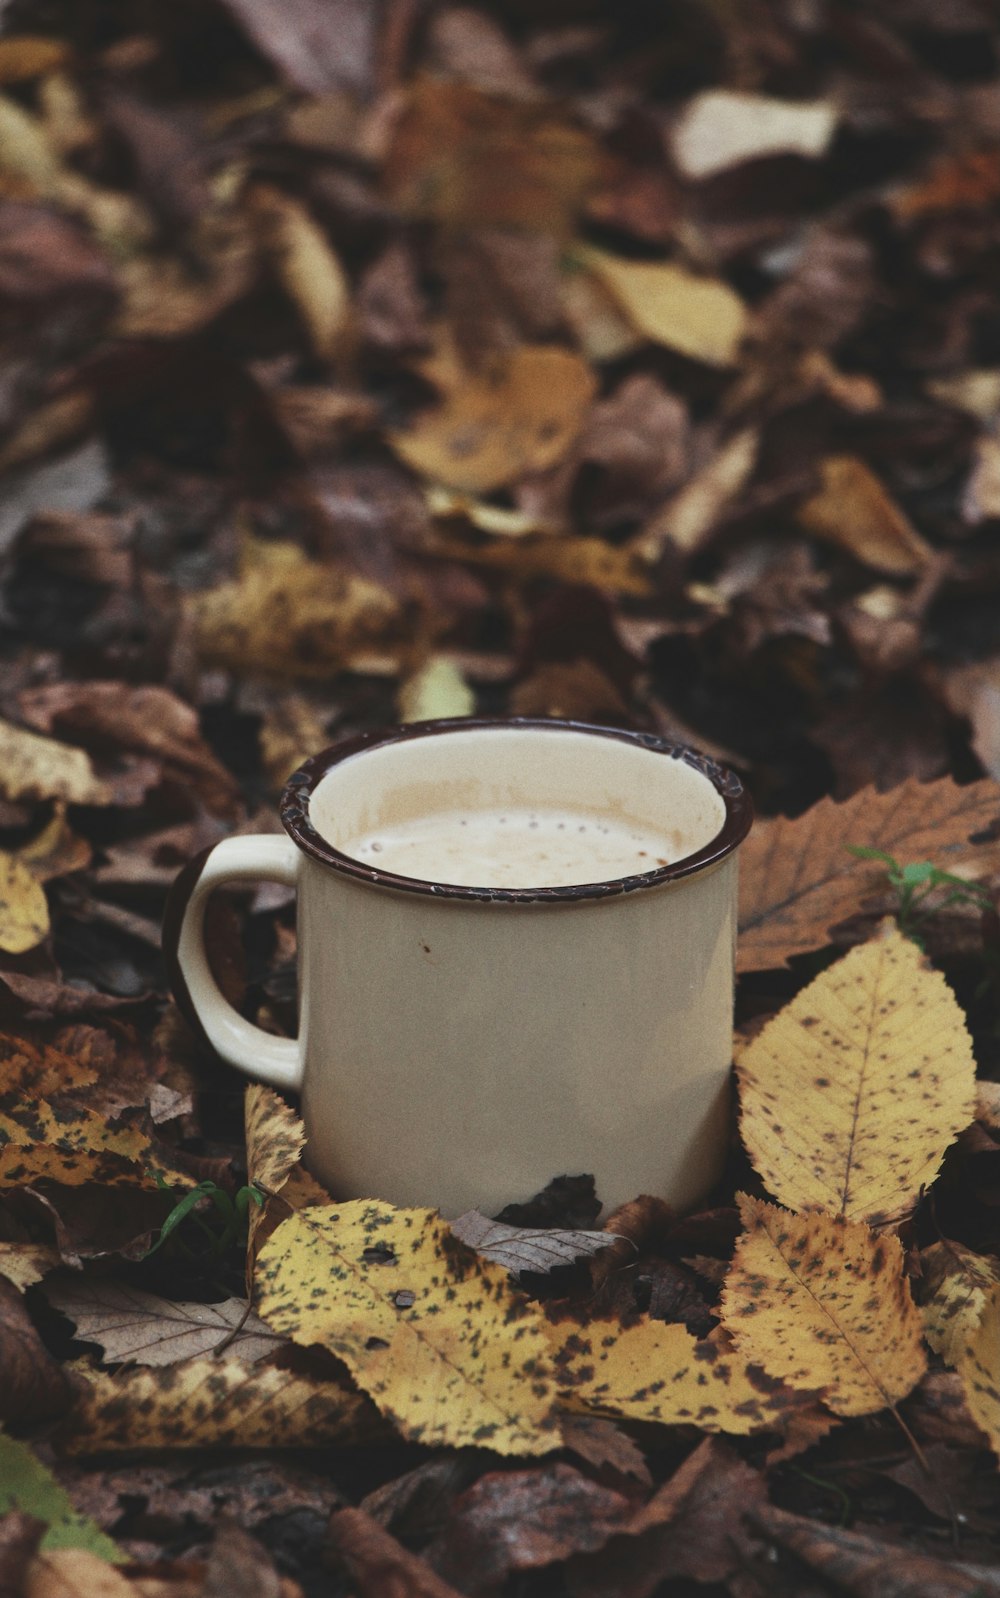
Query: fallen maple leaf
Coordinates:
[850,1096]
[797,879]
[519,1248]
[853,509]
[519,414]
[979,1371]
[822,1304]
[657,1371]
[435,1335]
[954,1290]
[211,1403]
[135,1327]
[700,317]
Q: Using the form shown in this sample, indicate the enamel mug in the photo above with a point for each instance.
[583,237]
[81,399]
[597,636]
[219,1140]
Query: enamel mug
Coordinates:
[460,1046]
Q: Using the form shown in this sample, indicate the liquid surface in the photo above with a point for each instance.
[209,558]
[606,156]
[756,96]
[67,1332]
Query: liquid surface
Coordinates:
[515,848]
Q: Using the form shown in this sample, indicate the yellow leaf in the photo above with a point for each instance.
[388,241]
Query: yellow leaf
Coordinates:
[797,879]
[979,1370]
[851,1094]
[520,414]
[436,1335]
[822,1304]
[291,616]
[613,567]
[275,1140]
[954,1291]
[437,689]
[852,509]
[657,1371]
[49,1132]
[211,1403]
[698,316]
[24,910]
[56,850]
[167,296]
[33,767]
[75,1573]
[306,263]
[24,1264]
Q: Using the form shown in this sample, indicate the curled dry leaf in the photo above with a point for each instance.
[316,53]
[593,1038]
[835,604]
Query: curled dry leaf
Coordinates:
[852,509]
[290,616]
[851,1095]
[138,1328]
[954,1291]
[424,1326]
[797,879]
[32,767]
[979,1371]
[520,1248]
[657,1371]
[520,414]
[722,128]
[700,317]
[211,1403]
[823,1304]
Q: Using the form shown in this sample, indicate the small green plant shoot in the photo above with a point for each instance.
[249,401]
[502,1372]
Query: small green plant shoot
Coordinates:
[232,1210]
[919,887]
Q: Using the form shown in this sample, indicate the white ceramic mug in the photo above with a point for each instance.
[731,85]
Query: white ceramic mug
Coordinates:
[461,1046]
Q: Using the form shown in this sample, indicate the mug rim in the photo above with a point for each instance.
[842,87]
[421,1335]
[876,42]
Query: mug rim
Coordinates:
[298,790]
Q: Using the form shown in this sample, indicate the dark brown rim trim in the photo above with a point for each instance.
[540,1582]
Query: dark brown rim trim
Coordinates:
[300,786]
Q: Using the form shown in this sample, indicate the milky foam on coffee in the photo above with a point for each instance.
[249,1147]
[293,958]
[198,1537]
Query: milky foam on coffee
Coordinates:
[515,848]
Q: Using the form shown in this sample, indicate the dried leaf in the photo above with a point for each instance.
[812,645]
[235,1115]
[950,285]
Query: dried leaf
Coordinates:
[26,1485]
[954,1291]
[378,1564]
[613,568]
[797,878]
[424,1326]
[520,414]
[601,1443]
[437,689]
[822,1303]
[212,1403]
[30,55]
[24,910]
[291,730]
[690,516]
[981,500]
[76,1573]
[853,510]
[307,265]
[290,616]
[32,767]
[138,1328]
[518,1248]
[24,1264]
[851,1094]
[657,1371]
[275,1140]
[979,1370]
[721,128]
[315,44]
[698,316]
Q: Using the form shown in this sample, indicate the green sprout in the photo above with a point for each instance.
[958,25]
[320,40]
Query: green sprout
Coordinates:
[230,1218]
[917,886]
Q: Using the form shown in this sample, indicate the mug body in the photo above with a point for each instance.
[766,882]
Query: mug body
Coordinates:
[462,1046]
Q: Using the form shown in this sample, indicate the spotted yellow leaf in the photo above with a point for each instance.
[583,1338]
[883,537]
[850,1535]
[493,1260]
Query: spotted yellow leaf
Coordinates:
[851,1094]
[979,1370]
[437,1336]
[822,1304]
[955,1287]
[656,1371]
[211,1403]
[275,1140]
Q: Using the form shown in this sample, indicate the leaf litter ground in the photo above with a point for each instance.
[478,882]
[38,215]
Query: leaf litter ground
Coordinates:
[363,362]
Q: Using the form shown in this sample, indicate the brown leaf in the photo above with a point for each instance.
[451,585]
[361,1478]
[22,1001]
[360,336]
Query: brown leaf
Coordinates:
[605,1446]
[534,1249]
[851,1562]
[520,415]
[693,1526]
[20,1535]
[306,264]
[147,720]
[797,879]
[133,1327]
[823,1304]
[275,1140]
[315,44]
[34,1387]
[378,1565]
[75,1573]
[689,517]
[973,691]
[239,1566]
[852,509]
[524,1520]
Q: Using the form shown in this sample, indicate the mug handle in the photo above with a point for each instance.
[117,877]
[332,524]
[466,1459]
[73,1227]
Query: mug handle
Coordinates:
[199,999]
